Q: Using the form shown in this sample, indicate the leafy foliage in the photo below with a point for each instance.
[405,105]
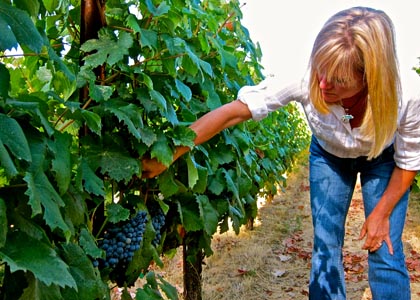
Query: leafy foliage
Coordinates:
[77,118]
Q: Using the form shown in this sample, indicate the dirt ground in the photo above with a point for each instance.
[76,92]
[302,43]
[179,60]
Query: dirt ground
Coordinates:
[272,261]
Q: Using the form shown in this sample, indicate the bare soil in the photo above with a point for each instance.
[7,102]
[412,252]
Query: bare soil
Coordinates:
[272,261]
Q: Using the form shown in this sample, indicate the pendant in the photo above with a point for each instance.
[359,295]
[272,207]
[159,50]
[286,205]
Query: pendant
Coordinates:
[346,118]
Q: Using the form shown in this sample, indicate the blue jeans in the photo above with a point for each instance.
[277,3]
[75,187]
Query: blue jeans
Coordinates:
[332,182]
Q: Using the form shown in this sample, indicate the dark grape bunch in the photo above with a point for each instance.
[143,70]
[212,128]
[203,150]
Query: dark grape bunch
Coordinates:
[120,241]
[158,221]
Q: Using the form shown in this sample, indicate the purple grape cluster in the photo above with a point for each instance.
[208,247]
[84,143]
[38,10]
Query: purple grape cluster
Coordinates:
[120,241]
[158,221]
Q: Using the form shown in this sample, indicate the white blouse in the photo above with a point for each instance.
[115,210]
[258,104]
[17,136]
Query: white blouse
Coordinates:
[335,135]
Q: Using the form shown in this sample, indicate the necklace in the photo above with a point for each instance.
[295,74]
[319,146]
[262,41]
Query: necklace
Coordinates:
[348,116]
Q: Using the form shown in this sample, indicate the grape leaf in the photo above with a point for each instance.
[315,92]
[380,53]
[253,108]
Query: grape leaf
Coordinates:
[7,162]
[119,165]
[183,89]
[38,290]
[93,121]
[162,151]
[189,215]
[117,213]
[37,108]
[100,93]
[208,214]
[109,48]
[148,38]
[167,184]
[41,192]
[61,164]
[163,8]
[130,114]
[231,185]
[25,253]
[183,136]
[192,171]
[87,242]
[11,135]
[87,278]
[92,183]
[32,7]
[17,27]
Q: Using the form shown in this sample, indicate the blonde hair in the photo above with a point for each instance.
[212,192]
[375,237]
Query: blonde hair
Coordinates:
[361,40]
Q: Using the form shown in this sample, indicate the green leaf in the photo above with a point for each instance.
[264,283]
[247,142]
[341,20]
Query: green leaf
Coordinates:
[183,89]
[201,185]
[163,8]
[169,290]
[217,183]
[133,23]
[208,214]
[7,162]
[61,164]
[38,290]
[148,38]
[64,85]
[76,209]
[41,192]
[231,185]
[158,99]
[100,93]
[119,165]
[37,108]
[87,242]
[4,80]
[108,47]
[190,215]
[148,136]
[32,7]
[11,135]
[128,113]
[88,279]
[184,136]
[22,252]
[167,184]
[52,5]
[192,171]
[116,213]
[17,27]
[93,121]
[92,183]
[3,222]
[162,151]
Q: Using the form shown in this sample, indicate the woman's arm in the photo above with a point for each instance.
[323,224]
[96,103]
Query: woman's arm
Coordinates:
[376,226]
[205,128]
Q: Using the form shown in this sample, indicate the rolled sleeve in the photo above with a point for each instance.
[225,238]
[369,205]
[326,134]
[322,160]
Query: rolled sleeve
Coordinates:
[407,139]
[254,98]
[269,95]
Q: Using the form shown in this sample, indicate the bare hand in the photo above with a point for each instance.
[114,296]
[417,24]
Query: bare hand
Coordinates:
[376,231]
[152,168]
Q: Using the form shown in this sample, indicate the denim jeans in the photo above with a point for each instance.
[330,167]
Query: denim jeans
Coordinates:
[332,182]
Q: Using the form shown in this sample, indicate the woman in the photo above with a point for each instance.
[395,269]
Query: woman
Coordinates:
[360,126]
